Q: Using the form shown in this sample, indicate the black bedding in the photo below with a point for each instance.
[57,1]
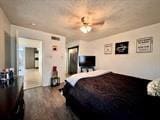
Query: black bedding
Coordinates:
[109,97]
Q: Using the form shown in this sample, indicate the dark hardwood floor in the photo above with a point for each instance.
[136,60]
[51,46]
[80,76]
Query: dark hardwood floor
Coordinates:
[46,103]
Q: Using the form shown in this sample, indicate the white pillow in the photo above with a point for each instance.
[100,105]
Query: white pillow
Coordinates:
[153,87]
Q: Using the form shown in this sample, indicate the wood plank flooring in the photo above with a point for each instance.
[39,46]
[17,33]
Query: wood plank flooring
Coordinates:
[46,103]
[31,78]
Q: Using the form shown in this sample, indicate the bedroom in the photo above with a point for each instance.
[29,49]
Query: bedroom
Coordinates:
[130,24]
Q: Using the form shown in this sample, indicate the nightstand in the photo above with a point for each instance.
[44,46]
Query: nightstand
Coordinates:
[55,81]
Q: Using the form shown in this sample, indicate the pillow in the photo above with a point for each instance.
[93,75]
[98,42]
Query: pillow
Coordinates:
[153,87]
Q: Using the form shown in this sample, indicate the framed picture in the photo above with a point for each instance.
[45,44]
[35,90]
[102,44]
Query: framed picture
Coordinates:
[108,49]
[144,45]
[121,48]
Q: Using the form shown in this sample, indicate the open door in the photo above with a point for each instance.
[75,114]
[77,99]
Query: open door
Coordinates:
[73,60]
[19,58]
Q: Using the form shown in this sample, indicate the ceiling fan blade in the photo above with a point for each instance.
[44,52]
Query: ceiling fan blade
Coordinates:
[74,27]
[98,23]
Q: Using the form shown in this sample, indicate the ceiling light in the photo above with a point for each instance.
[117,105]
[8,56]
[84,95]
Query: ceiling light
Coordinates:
[86,28]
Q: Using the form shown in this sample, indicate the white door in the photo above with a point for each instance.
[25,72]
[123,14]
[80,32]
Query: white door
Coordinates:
[20,58]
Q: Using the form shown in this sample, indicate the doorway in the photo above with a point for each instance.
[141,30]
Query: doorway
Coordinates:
[30,62]
[73,60]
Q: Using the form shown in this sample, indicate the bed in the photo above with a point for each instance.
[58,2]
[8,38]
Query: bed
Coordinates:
[110,96]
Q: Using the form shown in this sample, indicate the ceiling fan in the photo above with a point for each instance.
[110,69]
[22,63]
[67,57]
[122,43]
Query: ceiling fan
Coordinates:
[86,23]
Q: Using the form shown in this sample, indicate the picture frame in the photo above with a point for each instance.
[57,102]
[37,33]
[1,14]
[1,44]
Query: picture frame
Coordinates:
[122,47]
[108,48]
[144,45]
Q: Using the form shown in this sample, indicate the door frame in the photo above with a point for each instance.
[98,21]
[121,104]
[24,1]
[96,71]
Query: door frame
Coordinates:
[77,56]
[41,56]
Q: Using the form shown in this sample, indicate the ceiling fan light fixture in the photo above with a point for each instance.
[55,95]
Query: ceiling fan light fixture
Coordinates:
[85,28]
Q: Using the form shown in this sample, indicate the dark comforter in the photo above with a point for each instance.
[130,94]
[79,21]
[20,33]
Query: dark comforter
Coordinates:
[109,97]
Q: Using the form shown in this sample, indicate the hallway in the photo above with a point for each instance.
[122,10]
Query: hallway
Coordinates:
[32,78]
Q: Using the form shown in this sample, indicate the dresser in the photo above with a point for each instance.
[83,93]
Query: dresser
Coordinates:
[11,100]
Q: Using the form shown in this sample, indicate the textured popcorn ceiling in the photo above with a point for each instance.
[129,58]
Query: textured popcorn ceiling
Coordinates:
[63,16]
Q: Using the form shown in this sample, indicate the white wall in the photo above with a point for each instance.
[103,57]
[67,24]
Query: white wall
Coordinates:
[49,57]
[84,47]
[4,28]
[72,44]
[25,42]
[144,65]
